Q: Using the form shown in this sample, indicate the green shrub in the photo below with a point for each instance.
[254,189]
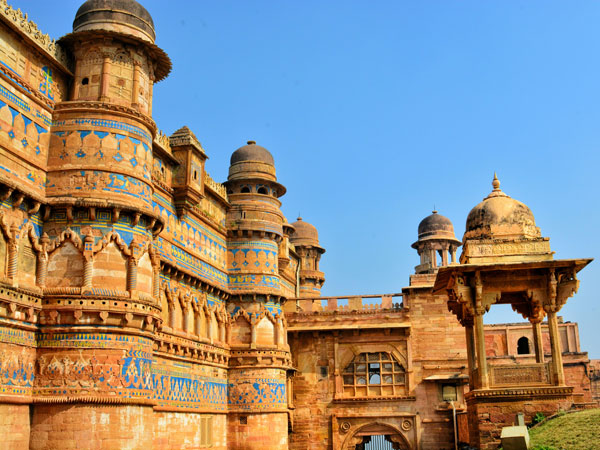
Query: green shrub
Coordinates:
[539,417]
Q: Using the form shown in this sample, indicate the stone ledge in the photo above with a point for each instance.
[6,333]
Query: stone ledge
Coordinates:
[519,393]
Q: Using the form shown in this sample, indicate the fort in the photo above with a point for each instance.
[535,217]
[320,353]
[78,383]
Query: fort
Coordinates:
[144,305]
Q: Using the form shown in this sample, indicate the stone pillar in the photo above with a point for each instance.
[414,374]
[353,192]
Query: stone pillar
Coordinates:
[42,261]
[433,257]
[150,94]
[185,311]
[253,334]
[538,343]
[279,332]
[557,364]
[155,261]
[470,353]
[88,260]
[222,332]
[76,80]
[42,269]
[103,97]
[13,252]
[171,304]
[482,371]
[198,324]
[209,330]
[131,274]
[136,85]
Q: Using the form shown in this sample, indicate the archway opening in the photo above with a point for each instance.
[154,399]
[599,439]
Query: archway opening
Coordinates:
[376,442]
[523,347]
[378,436]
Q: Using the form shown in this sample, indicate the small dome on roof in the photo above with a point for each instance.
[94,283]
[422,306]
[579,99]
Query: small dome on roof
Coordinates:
[125,16]
[436,226]
[252,152]
[500,216]
[306,234]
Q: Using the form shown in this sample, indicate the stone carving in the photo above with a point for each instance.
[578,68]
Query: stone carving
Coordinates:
[345,427]
[30,28]
[163,140]
[514,375]
[217,187]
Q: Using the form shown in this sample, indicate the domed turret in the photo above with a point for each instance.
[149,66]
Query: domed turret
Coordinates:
[124,16]
[252,162]
[252,152]
[500,216]
[255,218]
[436,234]
[306,234]
[502,229]
[121,20]
[105,124]
[436,226]
[306,243]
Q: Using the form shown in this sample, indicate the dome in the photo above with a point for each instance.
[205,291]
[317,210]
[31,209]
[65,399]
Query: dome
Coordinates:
[500,216]
[306,234]
[252,152]
[436,226]
[125,16]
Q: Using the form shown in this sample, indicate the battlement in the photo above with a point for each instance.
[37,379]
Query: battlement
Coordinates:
[345,304]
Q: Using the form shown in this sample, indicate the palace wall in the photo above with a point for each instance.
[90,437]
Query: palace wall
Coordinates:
[145,305]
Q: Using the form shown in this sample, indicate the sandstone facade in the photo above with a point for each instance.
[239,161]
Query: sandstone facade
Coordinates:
[144,305]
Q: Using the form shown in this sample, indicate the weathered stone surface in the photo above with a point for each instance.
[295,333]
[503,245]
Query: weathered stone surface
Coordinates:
[515,438]
[144,305]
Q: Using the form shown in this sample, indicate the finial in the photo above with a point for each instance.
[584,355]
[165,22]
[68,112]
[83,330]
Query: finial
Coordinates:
[496,182]
[251,142]
[434,211]
[299,218]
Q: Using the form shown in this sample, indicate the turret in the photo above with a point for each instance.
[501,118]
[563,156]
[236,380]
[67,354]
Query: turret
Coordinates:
[306,242]
[254,232]
[254,221]
[436,237]
[101,143]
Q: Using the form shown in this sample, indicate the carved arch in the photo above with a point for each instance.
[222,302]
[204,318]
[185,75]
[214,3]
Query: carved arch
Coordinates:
[67,235]
[397,436]
[355,350]
[112,236]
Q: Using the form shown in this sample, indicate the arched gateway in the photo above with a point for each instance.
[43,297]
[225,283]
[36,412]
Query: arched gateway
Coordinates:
[376,436]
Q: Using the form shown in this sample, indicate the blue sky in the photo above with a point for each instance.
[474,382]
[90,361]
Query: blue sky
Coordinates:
[377,111]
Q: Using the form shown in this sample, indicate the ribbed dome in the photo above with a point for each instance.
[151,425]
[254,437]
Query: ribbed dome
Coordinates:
[125,16]
[436,226]
[252,152]
[500,216]
[306,234]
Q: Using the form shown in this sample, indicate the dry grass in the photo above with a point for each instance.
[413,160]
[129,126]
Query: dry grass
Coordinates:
[573,431]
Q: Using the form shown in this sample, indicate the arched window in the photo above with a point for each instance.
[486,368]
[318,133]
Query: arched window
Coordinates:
[374,374]
[245,190]
[523,347]
[262,190]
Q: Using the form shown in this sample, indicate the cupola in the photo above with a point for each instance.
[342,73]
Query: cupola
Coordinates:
[306,243]
[435,237]
[502,229]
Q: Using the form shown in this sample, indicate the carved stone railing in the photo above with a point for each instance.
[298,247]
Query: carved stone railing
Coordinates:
[21,21]
[520,375]
[216,187]
[347,304]
[161,139]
